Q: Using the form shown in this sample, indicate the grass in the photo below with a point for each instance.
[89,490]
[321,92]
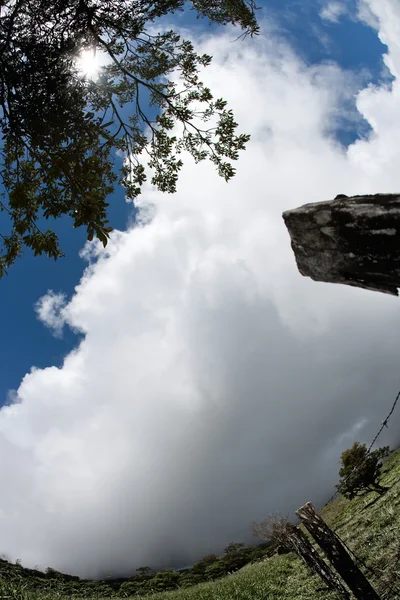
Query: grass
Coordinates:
[273,579]
[369,525]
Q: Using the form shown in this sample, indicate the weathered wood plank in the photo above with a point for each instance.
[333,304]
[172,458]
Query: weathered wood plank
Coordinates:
[336,553]
[313,560]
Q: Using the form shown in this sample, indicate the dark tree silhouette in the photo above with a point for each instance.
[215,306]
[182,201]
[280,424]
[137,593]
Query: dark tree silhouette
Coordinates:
[60,130]
[360,470]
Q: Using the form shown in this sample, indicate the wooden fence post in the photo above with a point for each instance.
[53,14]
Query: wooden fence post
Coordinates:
[302,546]
[336,553]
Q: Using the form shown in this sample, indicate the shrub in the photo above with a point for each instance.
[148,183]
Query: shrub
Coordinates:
[360,470]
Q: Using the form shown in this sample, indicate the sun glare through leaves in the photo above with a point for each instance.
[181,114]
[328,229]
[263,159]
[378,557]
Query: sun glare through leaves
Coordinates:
[88,64]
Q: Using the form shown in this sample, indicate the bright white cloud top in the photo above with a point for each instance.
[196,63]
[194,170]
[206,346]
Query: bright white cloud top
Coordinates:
[214,384]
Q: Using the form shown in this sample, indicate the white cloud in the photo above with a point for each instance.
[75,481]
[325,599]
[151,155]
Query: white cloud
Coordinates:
[366,14]
[333,11]
[213,381]
[49,310]
[387,13]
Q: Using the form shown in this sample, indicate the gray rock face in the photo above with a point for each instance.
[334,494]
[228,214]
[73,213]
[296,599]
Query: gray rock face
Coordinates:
[350,240]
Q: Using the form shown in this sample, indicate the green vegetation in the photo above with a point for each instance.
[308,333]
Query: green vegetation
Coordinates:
[61,130]
[368,524]
[360,470]
[209,568]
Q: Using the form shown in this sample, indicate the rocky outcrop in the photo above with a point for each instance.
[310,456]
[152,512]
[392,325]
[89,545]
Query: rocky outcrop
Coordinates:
[350,240]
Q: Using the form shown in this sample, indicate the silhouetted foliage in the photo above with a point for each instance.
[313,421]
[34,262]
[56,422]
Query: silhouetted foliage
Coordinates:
[233,548]
[165,580]
[216,570]
[360,470]
[144,571]
[61,130]
[200,567]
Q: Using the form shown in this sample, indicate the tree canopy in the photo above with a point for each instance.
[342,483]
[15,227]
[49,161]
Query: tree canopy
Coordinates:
[61,130]
[360,470]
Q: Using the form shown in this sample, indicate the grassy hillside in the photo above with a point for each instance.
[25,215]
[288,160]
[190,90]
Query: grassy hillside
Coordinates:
[370,525]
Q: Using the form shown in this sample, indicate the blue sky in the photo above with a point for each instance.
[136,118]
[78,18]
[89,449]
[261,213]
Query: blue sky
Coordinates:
[26,342]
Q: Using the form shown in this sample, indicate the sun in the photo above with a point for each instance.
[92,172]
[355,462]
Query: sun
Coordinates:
[88,64]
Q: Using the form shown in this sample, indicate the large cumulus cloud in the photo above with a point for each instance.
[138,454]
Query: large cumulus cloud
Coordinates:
[213,383]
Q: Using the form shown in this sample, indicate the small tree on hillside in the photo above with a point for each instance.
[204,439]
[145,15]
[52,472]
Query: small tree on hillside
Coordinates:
[275,529]
[165,580]
[129,588]
[143,571]
[216,570]
[234,547]
[360,470]
[203,563]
